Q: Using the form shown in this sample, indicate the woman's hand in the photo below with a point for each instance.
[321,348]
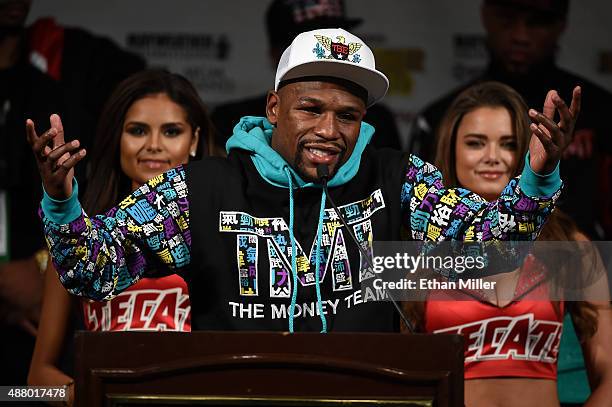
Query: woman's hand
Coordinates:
[55,158]
[549,139]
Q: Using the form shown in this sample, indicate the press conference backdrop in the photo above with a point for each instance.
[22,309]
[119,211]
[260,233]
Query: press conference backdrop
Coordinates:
[425,47]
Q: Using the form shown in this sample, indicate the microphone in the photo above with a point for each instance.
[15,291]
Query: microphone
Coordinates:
[323,175]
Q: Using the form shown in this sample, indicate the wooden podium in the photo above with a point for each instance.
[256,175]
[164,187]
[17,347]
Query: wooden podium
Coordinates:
[268,369]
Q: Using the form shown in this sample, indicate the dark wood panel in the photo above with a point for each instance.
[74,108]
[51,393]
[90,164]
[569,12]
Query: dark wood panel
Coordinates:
[247,368]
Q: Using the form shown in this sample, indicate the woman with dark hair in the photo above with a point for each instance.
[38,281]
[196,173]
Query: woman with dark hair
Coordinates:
[152,122]
[107,180]
[481,146]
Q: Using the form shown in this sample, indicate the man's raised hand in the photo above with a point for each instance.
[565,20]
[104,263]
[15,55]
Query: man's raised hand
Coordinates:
[549,139]
[55,158]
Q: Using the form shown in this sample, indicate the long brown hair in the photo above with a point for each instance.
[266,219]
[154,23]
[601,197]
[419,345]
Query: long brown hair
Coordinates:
[570,271]
[559,226]
[106,181]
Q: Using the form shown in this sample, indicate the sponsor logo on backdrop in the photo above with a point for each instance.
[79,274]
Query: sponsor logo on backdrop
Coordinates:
[201,58]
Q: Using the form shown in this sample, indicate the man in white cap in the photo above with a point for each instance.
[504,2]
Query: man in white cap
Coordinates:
[252,234]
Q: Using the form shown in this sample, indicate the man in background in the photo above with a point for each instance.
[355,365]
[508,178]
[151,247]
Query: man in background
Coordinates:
[522,38]
[79,70]
[87,66]
[20,235]
[285,19]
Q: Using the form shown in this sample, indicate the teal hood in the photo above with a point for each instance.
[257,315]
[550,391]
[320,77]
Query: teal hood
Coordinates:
[254,134]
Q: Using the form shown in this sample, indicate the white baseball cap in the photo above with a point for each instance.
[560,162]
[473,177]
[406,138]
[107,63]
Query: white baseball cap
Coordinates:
[336,53]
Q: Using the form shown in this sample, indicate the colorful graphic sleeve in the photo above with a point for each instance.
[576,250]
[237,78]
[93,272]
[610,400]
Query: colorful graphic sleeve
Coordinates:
[101,256]
[432,212]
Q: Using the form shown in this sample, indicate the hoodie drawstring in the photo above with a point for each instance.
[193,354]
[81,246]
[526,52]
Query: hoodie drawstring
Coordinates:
[294,258]
[318,263]
[293,254]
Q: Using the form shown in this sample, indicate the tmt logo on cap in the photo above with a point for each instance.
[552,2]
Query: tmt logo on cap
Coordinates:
[337,50]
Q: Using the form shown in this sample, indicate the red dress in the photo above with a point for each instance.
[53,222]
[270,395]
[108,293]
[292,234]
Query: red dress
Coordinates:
[152,304]
[518,340]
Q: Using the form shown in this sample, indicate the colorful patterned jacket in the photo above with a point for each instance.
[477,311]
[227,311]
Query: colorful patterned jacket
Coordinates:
[231,227]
